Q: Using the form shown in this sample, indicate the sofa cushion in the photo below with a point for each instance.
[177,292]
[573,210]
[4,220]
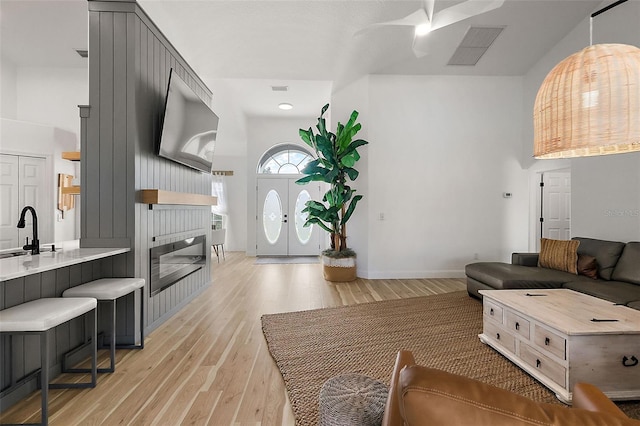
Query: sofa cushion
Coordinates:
[505,276]
[606,253]
[628,266]
[560,255]
[587,266]
[613,291]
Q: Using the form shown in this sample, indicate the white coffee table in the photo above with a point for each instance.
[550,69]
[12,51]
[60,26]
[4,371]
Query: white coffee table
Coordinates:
[562,337]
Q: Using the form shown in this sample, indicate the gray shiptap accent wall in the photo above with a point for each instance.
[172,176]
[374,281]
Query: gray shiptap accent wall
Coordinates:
[129,67]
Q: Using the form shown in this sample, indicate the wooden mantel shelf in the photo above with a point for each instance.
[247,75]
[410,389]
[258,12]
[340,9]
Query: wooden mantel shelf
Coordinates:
[158,196]
[71,155]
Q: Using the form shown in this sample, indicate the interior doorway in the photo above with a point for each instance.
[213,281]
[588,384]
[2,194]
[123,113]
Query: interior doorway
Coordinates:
[554,205]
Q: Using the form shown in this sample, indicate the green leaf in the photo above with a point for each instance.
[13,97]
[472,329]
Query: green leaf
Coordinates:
[353,146]
[348,161]
[350,209]
[306,136]
[310,178]
[352,173]
[316,221]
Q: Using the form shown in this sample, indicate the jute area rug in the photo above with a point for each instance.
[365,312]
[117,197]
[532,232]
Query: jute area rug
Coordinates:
[310,347]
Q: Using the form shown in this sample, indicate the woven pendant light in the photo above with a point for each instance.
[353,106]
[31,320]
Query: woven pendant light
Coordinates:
[589,104]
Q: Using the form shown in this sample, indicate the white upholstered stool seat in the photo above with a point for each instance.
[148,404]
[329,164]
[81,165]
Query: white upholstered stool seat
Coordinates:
[43,314]
[108,290]
[105,288]
[38,317]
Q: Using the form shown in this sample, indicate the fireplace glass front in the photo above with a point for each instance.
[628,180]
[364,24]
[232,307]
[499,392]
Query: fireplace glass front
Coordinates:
[174,261]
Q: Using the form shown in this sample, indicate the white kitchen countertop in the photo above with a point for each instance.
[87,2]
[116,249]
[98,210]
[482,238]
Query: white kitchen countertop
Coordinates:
[66,254]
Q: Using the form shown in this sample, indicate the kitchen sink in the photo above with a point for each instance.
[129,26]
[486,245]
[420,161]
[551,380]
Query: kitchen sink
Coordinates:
[13,254]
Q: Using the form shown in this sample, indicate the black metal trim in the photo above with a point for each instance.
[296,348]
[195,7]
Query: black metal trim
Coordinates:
[604,9]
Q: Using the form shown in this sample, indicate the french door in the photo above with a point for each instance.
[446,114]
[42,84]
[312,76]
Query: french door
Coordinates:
[23,184]
[280,230]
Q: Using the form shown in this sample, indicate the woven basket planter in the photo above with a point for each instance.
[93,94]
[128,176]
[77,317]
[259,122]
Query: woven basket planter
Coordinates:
[339,270]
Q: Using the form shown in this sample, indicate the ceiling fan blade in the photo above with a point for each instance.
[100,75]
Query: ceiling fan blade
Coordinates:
[428,7]
[463,11]
[413,19]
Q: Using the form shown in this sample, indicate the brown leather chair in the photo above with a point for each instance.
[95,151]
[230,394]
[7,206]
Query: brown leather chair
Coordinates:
[426,396]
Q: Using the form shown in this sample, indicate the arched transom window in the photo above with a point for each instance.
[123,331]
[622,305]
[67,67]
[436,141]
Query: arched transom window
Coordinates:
[284,159]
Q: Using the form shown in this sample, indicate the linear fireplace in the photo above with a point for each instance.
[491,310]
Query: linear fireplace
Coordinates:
[172,262]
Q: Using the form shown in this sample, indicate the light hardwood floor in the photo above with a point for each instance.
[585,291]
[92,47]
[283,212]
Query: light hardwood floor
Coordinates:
[209,364]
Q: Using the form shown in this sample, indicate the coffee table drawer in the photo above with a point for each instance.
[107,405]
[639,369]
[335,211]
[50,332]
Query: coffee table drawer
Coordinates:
[499,334]
[549,341]
[492,310]
[543,364]
[516,324]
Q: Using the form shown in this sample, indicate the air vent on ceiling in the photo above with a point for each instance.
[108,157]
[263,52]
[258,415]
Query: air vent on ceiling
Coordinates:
[84,53]
[475,42]
[279,88]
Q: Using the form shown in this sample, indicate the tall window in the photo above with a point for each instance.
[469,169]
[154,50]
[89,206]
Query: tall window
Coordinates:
[284,159]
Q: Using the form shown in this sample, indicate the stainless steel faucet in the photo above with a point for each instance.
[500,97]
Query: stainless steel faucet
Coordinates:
[35,244]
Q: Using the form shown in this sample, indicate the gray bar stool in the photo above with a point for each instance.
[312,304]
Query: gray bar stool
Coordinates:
[38,317]
[108,290]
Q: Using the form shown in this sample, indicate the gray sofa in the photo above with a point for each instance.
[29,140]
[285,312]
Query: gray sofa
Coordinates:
[618,273]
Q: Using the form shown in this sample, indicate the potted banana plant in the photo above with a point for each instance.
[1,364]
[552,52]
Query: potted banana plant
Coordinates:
[337,153]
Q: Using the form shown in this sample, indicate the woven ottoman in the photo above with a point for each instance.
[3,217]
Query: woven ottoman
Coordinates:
[352,400]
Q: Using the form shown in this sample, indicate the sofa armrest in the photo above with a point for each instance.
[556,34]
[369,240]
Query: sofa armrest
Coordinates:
[524,259]
[392,415]
[588,397]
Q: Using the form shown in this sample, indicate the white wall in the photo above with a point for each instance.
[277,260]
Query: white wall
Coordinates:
[263,133]
[343,102]
[442,151]
[43,106]
[24,138]
[51,96]
[605,190]
[8,89]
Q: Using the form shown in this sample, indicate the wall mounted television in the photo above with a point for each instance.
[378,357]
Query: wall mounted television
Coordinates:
[189,127]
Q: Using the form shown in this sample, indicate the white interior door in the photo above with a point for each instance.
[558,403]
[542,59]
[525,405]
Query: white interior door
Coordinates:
[556,205]
[23,184]
[280,230]
[9,213]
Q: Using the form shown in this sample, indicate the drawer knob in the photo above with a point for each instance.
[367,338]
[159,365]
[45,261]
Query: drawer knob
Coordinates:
[538,363]
[546,341]
[517,326]
[498,337]
[491,311]
[629,362]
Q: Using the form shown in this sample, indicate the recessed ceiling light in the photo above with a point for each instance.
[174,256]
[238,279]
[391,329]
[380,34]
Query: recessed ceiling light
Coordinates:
[285,106]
